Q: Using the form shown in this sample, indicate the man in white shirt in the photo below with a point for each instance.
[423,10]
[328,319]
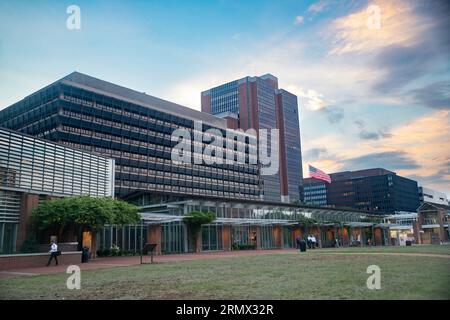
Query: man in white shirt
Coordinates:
[313,239]
[53,253]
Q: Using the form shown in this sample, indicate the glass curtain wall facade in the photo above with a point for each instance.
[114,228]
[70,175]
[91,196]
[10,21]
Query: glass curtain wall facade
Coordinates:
[267,119]
[292,150]
[243,236]
[212,237]
[315,192]
[225,99]
[384,194]
[134,129]
[173,237]
[240,225]
[267,237]
[128,238]
[288,237]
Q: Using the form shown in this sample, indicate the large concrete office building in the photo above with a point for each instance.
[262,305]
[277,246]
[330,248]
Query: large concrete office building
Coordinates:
[257,103]
[376,190]
[33,169]
[135,129]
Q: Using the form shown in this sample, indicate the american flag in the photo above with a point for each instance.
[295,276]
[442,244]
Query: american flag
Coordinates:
[318,174]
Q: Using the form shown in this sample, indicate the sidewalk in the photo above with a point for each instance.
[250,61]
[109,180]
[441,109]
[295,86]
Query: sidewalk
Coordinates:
[111,262]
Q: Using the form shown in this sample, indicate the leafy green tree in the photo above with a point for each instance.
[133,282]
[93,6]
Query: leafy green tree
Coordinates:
[83,211]
[194,221]
[305,223]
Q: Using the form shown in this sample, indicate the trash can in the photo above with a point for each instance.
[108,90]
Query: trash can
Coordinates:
[408,242]
[85,255]
[303,246]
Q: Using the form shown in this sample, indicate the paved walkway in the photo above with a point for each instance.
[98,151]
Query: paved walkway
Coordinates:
[109,262]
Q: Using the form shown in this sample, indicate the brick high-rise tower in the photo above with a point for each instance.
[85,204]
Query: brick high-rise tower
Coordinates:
[258,103]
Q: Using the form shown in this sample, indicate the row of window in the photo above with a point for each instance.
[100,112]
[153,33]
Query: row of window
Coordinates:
[195,157]
[240,170]
[237,144]
[187,190]
[149,116]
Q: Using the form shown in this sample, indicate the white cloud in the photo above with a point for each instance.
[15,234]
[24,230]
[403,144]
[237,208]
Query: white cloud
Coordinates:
[318,6]
[310,99]
[298,20]
[357,33]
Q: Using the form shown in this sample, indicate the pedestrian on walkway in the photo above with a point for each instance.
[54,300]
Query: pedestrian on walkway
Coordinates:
[298,241]
[309,242]
[54,253]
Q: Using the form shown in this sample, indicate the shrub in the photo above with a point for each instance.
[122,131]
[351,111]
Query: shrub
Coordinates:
[115,250]
[30,245]
[244,246]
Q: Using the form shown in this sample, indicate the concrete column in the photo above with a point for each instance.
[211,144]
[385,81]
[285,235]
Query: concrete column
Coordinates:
[199,241]
[278,237]
[377,237]
[28,203]
[154,236]
[440,218]
[258,237]
[226,238]
[416,231]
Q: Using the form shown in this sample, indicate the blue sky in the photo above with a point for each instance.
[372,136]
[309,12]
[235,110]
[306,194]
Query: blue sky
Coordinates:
[368,96]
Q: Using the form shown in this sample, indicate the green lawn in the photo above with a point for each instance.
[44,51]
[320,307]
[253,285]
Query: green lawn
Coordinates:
[314,275]
[427,249]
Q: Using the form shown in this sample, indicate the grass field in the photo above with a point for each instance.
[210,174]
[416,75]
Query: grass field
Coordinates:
[312,275]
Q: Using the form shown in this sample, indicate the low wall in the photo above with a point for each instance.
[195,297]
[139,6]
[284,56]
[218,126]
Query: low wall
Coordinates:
[64,247]
[33,260]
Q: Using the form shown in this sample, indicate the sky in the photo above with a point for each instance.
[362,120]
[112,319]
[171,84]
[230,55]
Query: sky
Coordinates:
[372,77]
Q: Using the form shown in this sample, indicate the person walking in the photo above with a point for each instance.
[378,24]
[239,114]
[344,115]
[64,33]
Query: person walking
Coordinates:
[314,241]
[298,241]
[53,253]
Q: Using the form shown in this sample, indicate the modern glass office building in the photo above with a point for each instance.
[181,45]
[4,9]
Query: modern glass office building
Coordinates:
[257,103]
[315,192]
[33,169]
[376,190]
[136,130]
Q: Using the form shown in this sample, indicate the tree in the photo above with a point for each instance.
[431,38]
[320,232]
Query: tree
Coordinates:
[82,211]
[306,222]
[195,220]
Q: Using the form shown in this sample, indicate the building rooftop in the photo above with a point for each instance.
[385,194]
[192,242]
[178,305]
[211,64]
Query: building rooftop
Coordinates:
[344,175]
[106,88]
[116,91]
